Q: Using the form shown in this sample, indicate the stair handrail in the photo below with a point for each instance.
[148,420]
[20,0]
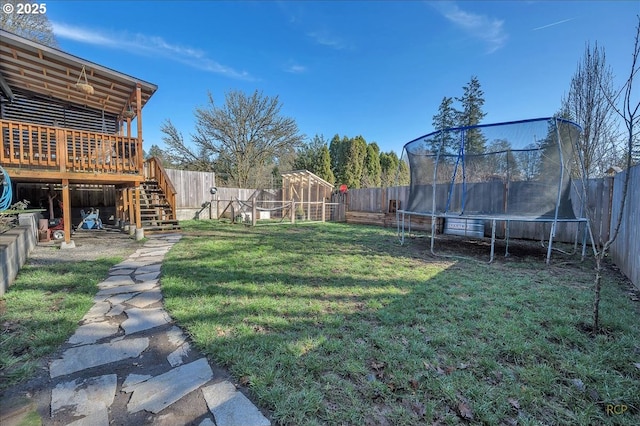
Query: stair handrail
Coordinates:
[156,171]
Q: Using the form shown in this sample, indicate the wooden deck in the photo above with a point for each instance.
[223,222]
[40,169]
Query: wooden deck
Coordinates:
[33,152]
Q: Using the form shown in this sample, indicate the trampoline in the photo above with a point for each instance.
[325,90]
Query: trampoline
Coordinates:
[517,171]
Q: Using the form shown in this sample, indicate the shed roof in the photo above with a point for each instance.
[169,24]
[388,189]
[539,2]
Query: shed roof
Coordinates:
[34,67]
[305,176]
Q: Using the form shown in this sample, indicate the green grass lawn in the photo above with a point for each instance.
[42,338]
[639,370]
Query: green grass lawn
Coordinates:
[41,311]
[338,324]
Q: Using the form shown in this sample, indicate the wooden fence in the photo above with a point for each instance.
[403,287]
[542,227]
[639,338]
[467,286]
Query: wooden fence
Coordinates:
[376,206]
[387,200]
[625,250]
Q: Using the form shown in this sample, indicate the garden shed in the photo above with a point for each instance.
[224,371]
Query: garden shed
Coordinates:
[308,191]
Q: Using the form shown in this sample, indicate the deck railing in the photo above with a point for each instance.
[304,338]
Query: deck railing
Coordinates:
[39,147]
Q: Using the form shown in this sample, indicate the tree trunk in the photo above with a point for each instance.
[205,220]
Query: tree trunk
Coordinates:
[596,299]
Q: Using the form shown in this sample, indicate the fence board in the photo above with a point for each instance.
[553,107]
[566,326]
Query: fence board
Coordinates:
[192,188]
[625,251]
[376,200]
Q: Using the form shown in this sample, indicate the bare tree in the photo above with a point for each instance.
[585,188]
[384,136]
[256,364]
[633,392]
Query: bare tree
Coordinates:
[179,154]
[588,103]
[629,112]
[33,26]
[243,141]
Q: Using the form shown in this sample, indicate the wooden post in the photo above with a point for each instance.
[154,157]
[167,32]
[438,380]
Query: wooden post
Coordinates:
[254,211]
[138,207]
[139,157]
[309,198]
[66,210]
[323,210]
[293,212]
[318,199]
[118,205]
[130,215]
[61,149]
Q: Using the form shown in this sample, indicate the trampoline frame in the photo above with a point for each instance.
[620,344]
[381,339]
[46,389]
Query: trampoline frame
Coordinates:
[494,218]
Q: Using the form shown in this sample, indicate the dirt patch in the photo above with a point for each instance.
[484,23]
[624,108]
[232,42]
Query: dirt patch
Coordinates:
[90,245]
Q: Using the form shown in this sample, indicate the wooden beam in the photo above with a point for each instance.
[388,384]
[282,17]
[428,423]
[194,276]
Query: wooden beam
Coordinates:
[66,210]
[26,175]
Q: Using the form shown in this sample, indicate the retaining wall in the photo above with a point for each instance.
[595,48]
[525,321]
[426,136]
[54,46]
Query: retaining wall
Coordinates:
[15,246]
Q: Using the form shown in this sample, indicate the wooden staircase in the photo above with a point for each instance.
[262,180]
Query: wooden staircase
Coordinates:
[157,200]
[155,211]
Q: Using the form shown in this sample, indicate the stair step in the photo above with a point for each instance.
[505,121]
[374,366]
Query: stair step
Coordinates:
[149,207]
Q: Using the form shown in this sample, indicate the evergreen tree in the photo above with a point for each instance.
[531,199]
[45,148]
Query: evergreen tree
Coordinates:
[338,156]
[373,171]
[315,158]
[471,114]
[444,119]
[324,170]
[354,165]
[394,171]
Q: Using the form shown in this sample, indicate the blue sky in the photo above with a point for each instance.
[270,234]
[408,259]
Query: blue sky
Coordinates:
[373,68]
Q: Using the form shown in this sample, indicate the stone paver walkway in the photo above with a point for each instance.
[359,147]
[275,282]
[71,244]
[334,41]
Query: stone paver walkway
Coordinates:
[127,363]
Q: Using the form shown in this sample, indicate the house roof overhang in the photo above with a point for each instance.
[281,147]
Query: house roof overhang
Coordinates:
[29,66]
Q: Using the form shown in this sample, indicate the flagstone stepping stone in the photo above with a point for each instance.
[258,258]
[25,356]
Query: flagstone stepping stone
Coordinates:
[85,396]
[121,271]
[105,293]
[159,392]
[115,311]
[148,277]
[83,357]
[119,298]
[134,379]
[146,298]
[144,319]
[176,357]
[231,408]
[148,269]
[96,312]
[92,332]
[115,281]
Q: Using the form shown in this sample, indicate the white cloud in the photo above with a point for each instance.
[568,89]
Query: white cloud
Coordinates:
[295,69]
[143,44]
[489,30]
[325,38]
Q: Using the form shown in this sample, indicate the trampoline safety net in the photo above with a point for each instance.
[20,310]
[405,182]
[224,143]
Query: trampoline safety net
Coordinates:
[520,169]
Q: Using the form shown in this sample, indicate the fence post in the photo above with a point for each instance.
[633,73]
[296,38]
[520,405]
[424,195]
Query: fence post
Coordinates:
[324,213]
[293,212]
[254,210]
